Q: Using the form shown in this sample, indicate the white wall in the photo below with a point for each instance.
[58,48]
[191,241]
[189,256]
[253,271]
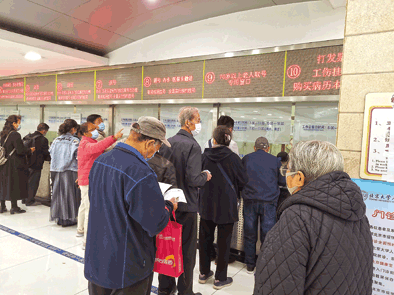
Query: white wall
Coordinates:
[259,28]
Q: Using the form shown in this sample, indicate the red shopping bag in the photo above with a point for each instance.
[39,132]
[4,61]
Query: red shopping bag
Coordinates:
[169,259]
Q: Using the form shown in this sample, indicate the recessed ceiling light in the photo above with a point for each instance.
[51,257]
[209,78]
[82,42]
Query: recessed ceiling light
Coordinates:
[32,56]
[269,114]
[255,111]
[256,51]
[229,54]
[242,116]
[280,117]
[254,118]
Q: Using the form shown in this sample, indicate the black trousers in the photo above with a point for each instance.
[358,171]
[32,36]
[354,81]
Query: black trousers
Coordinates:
[33,183]
[14,204]
[138,288]
[189,248]
[206,239]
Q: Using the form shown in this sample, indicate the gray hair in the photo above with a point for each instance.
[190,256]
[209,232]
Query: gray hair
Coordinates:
[186,113]
[315,158]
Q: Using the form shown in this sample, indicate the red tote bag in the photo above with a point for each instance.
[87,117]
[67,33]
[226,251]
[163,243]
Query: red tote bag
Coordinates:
[169,259]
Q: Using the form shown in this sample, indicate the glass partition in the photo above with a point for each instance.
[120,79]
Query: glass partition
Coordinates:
[253,120]
[126,115]
[169,116]
[54,116]
[30,119]
[316,121]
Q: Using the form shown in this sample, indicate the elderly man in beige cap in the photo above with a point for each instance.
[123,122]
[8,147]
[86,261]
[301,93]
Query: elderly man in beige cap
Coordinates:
[127,210]
[260,196]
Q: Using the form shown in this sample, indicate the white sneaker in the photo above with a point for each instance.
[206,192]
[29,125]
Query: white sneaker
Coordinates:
[80,234]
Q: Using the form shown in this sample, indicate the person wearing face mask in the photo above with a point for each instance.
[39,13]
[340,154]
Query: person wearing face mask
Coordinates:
[97,121]
[322,243]
[37,161]
[260,196]
[89,149]
[14,173]
[185,154]
[127,211]
[66,197]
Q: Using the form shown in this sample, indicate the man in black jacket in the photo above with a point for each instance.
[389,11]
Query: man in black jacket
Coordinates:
[164,169]
[185,154]
[41,155]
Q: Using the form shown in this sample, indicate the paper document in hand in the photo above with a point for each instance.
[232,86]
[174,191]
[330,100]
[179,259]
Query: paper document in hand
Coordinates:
[177,194]
[164,187]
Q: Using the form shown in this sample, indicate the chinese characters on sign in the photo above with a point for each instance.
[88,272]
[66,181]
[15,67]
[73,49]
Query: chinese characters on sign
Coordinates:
[12,89]
[379,140]
[40,88]
[119,84]
[173,81]
[75,86]
[245,76]
[314,71]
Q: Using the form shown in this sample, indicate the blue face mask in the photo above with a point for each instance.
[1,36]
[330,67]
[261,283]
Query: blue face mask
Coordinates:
[19,128]
[101,126]
[95,134]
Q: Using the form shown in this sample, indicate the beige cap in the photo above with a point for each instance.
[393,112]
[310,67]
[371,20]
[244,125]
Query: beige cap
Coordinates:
[150,126]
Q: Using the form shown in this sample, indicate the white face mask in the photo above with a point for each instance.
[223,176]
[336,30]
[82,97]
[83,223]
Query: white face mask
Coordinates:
[197,130]
[294,188]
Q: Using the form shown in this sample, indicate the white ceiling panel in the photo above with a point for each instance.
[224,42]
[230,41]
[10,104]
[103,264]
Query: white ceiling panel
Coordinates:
[25,13]
[60,5]
[70,29]
[109,14]
[12,61]
[184,12]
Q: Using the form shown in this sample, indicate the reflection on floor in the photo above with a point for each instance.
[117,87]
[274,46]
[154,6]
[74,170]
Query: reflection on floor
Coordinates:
[30,269]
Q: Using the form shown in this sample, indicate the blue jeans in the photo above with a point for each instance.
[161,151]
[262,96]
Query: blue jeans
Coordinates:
[253,212]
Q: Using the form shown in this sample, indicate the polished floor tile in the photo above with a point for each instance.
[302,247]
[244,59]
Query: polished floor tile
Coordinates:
[29,269]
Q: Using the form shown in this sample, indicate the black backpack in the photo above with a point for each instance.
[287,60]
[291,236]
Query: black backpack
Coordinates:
[30,141]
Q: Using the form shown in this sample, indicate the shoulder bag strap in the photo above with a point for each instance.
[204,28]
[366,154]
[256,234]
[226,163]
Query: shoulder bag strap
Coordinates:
[227,178]
[6,139]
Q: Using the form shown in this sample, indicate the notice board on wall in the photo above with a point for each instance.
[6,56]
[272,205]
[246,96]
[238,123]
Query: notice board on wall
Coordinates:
[245,76]
[41,88]
[75,86]
[174,81]
[12,89]
[377,157]
[379,200]
[119,84]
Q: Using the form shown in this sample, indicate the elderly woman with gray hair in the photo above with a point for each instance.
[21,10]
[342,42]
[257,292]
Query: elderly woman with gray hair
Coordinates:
[322,243]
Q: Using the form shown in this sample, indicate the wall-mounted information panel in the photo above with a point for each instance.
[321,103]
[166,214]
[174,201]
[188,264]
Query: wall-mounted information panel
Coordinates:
[12,89]
[377,158]
[245,76]
[75,86]
[41,88]
[315,71]
[305,72]
[174,81]
[119,84]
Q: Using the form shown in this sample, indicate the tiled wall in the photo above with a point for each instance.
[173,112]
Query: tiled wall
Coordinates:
[368,66]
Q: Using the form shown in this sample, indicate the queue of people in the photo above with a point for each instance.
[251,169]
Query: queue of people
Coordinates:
[313,229]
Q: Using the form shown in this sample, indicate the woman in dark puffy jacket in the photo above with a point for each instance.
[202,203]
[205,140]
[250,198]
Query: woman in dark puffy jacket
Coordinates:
[322,243]
[218,205]
[14,173]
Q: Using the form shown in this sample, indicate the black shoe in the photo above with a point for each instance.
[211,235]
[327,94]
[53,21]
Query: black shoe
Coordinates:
[221,284]
[232,259]
[69,224]
[250,269]
[17,210]
[202,279]
[165,292]
[2,210]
